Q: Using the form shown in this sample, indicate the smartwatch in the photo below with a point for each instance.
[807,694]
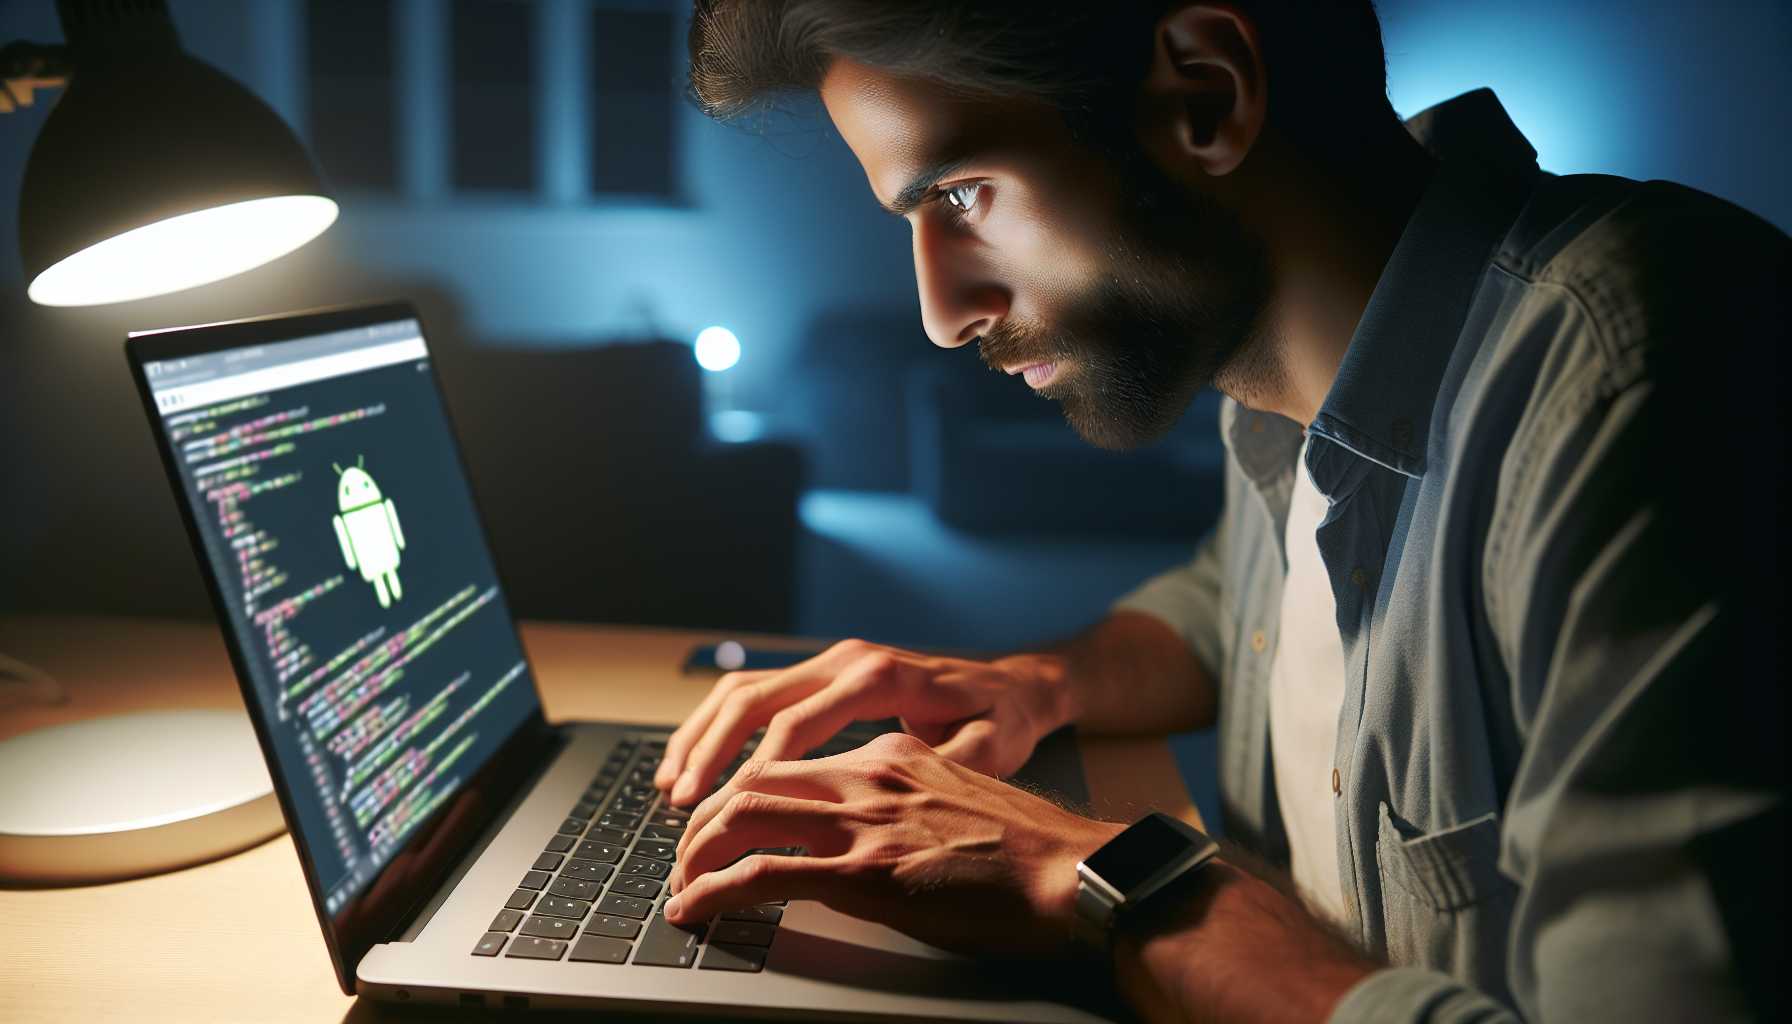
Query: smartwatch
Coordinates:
[1136,864]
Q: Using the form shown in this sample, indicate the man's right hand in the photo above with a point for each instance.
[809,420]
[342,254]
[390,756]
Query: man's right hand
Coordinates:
[986,715]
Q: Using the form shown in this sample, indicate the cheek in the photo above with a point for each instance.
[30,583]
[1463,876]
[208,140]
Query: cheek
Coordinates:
[1046,265]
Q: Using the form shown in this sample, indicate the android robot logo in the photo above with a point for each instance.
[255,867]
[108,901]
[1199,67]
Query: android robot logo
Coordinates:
[368,531]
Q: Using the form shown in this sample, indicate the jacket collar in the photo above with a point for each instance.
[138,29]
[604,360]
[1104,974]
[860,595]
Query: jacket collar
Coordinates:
[1380,405]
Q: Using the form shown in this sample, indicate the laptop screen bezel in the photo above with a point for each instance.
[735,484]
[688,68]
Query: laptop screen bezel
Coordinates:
[382,908]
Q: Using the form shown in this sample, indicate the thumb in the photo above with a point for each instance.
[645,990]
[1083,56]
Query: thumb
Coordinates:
[973,743]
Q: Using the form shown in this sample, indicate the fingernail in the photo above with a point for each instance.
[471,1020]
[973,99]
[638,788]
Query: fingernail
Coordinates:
[672,908]
[682,791]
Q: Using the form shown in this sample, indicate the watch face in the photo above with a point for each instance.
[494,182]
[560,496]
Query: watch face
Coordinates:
[1138,853]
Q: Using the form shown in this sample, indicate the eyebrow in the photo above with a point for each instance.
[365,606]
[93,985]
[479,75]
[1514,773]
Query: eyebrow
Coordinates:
[915,192]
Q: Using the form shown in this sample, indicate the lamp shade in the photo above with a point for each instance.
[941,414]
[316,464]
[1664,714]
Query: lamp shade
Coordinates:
[157,172]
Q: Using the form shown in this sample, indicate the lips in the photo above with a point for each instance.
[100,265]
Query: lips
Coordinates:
[1037,375]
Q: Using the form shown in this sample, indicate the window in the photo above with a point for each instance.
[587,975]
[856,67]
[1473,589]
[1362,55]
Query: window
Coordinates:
[634,95]
[493,94]
[350,102]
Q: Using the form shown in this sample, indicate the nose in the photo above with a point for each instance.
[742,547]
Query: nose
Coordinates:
[959,299]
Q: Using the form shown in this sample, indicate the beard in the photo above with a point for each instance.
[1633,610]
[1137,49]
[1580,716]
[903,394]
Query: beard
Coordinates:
[1180,308]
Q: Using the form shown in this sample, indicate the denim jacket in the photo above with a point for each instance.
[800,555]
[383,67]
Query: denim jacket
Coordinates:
[1551,453]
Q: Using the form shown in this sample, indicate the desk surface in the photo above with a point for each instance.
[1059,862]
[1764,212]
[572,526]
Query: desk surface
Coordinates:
[236,939]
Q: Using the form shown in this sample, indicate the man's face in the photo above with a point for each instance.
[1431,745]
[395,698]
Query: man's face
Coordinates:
[1110,288]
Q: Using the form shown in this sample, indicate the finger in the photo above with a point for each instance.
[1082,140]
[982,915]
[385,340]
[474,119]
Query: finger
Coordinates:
[680,742]
[751,821]
[974,744]
[740,713]
[802,780]
[760,878]
[871,687]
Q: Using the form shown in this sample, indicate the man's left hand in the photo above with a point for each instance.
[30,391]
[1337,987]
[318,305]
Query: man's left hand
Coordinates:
[896,834]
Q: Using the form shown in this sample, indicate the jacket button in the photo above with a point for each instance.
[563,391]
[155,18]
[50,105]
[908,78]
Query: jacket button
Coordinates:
[1259,641]
[1337,783]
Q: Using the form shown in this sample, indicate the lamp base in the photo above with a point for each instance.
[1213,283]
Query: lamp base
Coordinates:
[133,794]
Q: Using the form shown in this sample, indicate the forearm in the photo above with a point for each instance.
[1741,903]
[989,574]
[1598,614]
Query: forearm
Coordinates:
[1235,950]
[1128,673]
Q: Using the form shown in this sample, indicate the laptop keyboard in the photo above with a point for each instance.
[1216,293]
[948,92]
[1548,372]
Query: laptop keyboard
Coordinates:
[596,891]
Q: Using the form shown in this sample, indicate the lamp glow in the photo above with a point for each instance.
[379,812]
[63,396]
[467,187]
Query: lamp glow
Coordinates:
[717,349]
[182,252]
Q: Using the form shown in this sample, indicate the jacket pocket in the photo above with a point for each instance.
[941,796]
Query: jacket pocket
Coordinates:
[1444,903]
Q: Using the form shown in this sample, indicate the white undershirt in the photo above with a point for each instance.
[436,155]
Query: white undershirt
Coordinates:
[1306,692]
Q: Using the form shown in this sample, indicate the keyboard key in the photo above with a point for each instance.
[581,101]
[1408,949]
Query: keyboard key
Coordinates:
[625,822]
[635,885]
[758,915]
[489,944]
[584,809]
[625,906]
[550,927]
[548,862]
[624,805]
[669,818]
[596,949]
[664,944]
[743,933]
[591,849]
[560,906]
[520,900]
[645,794]
[571,827]
[589,870]
[613,836]
[560,843]
[665,832]
[505,921]
[613,926]
[732,958]
[643,866]
[528,947]
[656,850]
[534,880]
[574,888]
[655,746]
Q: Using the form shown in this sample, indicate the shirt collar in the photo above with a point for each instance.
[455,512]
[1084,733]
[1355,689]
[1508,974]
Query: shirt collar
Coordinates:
[1380,405]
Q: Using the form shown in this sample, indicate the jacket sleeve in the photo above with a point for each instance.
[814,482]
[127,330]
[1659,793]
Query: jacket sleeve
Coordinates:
[1188,599]
[1631,584]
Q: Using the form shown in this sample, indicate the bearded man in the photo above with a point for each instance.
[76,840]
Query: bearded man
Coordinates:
[1488,626]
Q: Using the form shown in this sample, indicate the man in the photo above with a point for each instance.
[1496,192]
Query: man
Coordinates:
[1484,625]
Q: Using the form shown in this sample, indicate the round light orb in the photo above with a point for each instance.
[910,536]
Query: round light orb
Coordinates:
[717,349]
[730,655]
[185,251]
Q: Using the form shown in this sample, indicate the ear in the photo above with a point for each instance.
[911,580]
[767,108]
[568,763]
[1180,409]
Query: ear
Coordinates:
[337,468]
[1206,96]
[361,461]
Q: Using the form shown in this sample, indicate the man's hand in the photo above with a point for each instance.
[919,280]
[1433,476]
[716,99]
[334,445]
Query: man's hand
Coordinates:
[897,834]
[987,715]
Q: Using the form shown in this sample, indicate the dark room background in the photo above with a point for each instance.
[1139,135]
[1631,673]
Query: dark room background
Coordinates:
[528,173]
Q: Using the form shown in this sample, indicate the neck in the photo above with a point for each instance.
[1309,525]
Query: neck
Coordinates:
[1329,235]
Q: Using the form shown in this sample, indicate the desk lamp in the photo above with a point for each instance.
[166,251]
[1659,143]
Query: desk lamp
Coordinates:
[154,173]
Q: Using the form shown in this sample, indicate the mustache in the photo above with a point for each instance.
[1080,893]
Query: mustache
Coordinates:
[1019,342]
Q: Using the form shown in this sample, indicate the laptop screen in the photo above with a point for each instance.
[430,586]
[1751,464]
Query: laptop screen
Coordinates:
[326,489]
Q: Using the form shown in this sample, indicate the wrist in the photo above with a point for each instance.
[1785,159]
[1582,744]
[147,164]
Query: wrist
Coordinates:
[1046,679]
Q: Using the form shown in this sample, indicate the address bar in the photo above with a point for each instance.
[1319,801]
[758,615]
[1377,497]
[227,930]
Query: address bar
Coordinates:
[273,378]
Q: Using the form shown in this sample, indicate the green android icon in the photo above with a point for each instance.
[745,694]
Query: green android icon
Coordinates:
[369,532]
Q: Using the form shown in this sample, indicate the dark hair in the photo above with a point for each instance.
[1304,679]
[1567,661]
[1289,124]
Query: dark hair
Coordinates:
[1327,67]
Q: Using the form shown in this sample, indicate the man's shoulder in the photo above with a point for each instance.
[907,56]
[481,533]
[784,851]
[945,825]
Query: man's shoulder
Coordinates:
[1642,264]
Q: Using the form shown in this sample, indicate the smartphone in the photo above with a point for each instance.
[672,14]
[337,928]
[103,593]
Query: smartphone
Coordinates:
[732,656]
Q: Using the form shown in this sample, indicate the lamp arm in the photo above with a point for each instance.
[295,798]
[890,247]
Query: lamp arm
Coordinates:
[26,67]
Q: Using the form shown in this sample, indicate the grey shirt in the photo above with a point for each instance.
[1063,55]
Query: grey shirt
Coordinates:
[1552,453]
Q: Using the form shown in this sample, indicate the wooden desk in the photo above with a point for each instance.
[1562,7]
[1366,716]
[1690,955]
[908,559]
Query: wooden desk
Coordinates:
[236,939]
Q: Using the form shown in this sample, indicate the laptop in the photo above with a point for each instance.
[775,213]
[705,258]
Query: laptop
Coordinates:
[459,849]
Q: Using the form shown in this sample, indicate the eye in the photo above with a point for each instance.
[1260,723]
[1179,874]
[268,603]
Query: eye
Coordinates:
[962,199]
